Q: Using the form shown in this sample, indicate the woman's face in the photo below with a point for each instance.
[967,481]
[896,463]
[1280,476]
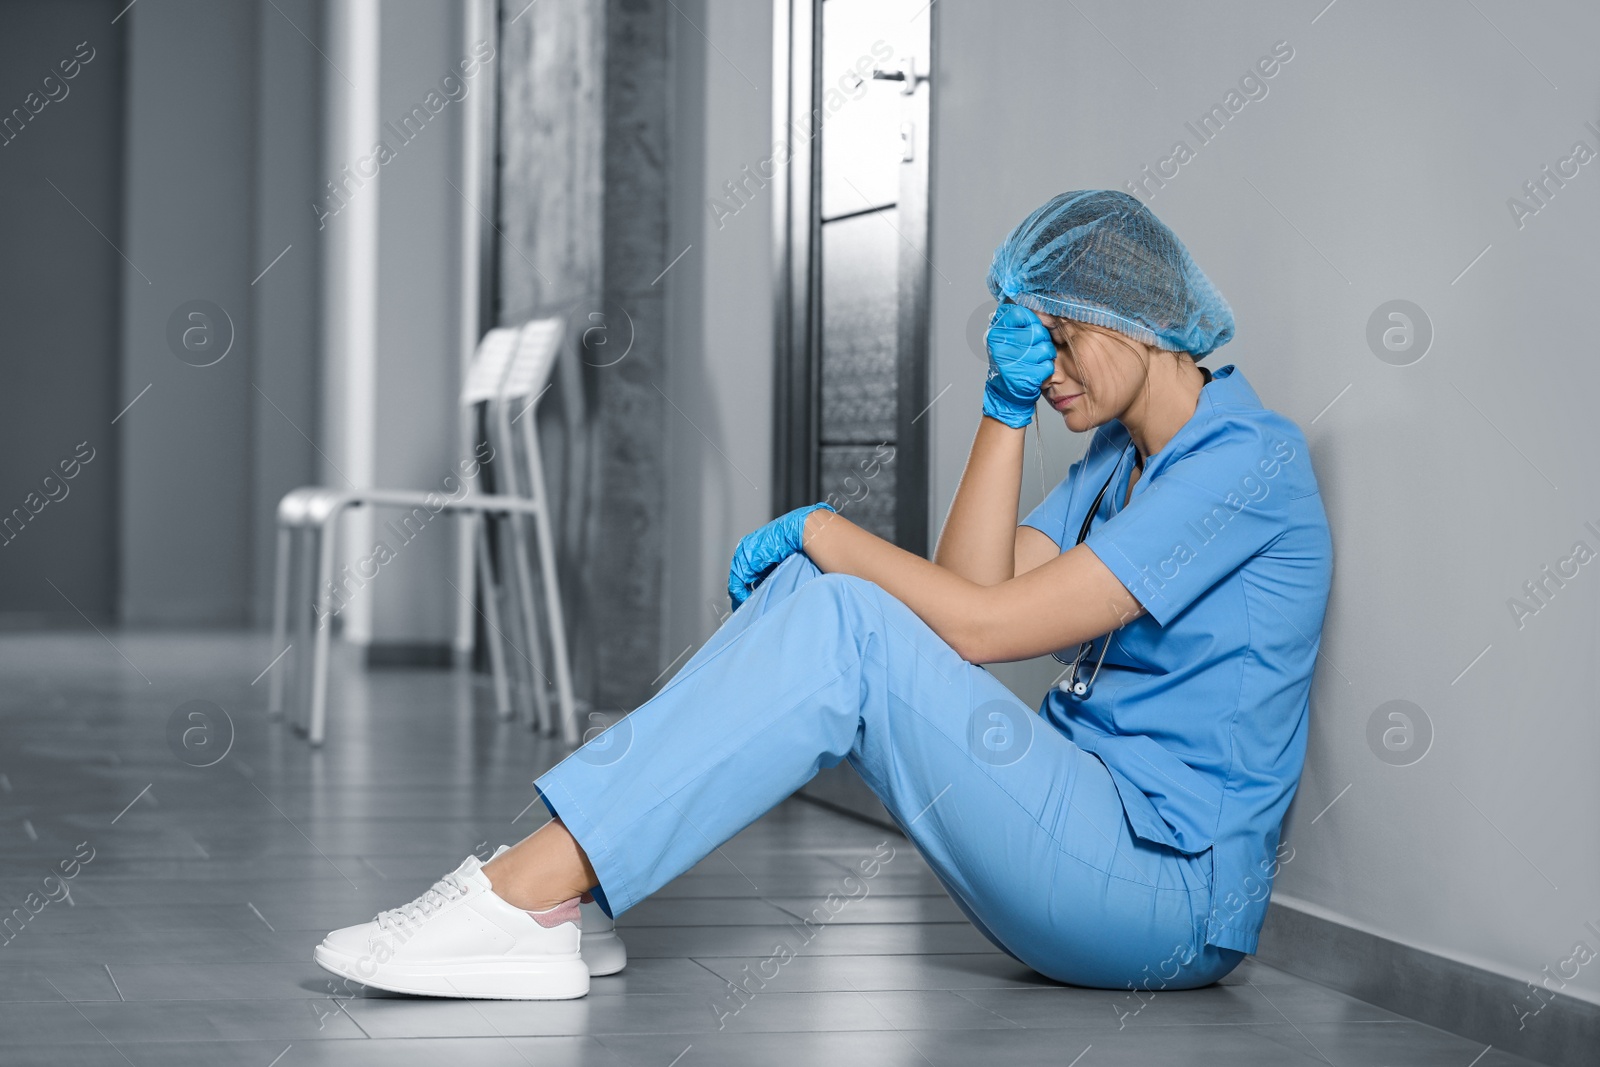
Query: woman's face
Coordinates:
[1098,372]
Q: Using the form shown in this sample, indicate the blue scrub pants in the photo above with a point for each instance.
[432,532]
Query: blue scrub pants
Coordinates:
[1024,828]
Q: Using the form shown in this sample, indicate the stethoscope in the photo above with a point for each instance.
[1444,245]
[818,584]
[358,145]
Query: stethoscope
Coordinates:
[1072,685]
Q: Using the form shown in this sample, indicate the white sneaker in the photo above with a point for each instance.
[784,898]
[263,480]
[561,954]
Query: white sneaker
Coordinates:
[460,939]
[603,950]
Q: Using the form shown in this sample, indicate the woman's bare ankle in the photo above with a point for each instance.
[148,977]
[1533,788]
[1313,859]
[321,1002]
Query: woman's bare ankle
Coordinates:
[540,871]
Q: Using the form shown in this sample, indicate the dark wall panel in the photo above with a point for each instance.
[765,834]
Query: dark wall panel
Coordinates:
[582,188]
[60,181]
[632,409]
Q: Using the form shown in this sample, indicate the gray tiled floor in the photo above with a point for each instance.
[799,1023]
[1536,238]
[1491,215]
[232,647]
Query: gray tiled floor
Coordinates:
[187,938]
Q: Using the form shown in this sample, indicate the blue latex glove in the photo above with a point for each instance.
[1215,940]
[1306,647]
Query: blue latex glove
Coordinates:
[1021,359]
[762,550]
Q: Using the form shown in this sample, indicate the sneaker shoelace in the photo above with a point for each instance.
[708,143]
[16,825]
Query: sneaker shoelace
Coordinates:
[447,889]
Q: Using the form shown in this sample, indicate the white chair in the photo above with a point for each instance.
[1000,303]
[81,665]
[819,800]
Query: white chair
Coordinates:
[524,386]
[314,513]
[308,511]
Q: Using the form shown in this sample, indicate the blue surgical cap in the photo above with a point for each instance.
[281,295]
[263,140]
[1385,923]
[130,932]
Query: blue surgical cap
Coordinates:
[1101,256]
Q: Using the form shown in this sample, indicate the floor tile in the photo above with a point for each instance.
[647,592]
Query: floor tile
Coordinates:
[53,982]
[52,1024]
[630,1014]
[1404,1041]
[879,1048]
[846,939]
[876,908]
[936,971]
[1232,1046]
[703,911]
[1232,1004]
[479,1052]
[224,1020]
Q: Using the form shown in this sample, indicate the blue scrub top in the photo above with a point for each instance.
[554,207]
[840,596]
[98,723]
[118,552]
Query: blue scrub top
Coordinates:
[1200,709]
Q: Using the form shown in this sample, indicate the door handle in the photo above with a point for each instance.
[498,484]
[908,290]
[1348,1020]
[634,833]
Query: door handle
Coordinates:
[906,74]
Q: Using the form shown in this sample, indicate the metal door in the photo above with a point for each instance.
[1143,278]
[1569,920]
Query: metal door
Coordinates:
[852,347]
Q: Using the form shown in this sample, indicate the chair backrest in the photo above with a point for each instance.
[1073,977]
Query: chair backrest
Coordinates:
[534,359]
[486,375]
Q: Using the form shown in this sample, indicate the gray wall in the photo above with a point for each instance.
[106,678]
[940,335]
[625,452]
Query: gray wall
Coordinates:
[284,299]
[719,314]
[186,448]
[222,123]
[222,113]
[371,358]
[1377,167]
[633,410]
[58,363]
[419,378]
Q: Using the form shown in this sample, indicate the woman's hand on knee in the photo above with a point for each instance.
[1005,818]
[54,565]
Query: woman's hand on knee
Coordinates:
[762,550]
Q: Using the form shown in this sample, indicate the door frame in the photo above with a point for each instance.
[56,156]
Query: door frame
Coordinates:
[797,242]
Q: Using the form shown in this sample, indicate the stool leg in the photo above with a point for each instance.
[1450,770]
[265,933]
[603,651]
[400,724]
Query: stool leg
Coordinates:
[511,619]
[552,591]
[317,727]
[466,558]
[544,722]
[541,696]
[305,604]
[491,614]
[280,619]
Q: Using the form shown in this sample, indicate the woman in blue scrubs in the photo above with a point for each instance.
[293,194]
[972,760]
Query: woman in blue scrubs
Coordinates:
[1127,834]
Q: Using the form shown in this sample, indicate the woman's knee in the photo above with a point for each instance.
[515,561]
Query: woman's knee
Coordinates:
[787,578]
[839,589]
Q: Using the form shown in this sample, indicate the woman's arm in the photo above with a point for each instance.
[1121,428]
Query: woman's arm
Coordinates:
[1061,603]
[980,540]
[1034,549]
